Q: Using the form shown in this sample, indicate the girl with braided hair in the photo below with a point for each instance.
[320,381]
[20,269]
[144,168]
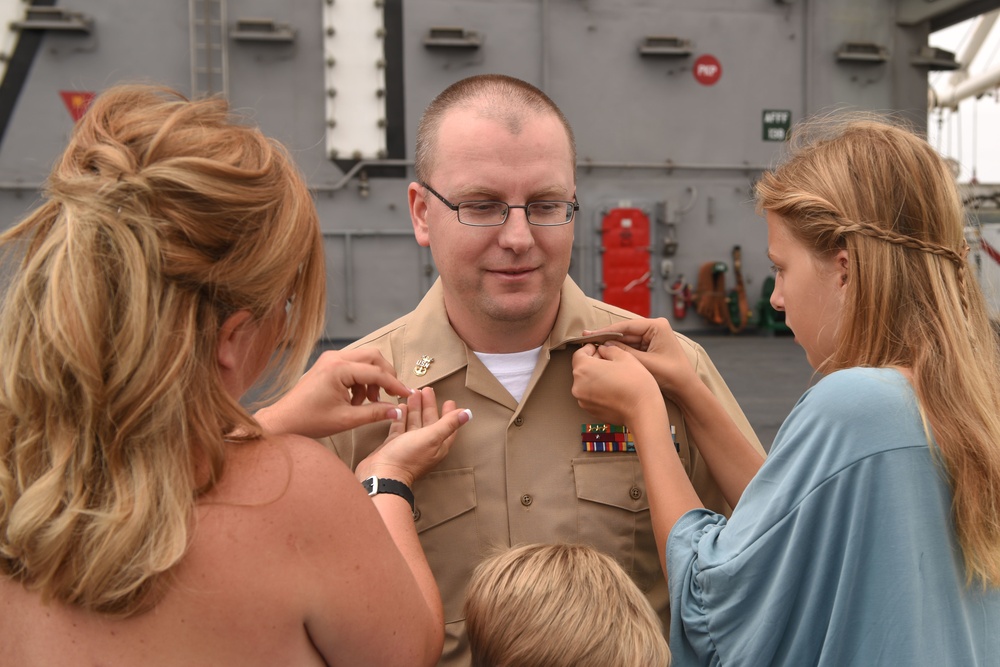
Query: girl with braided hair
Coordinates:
[146,517]
[871,535]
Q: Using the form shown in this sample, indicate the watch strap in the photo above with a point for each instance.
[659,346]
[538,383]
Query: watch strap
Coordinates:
[375,485]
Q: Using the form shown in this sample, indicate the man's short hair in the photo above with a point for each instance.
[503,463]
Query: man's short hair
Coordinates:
[503,98]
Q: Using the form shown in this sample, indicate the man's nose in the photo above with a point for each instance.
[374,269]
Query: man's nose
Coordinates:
[516,233]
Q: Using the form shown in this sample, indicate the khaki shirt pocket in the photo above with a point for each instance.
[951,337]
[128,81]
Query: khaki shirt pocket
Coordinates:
[445,516]
[613,513]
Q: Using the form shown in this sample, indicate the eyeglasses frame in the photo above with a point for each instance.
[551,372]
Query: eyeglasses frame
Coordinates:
[454,207]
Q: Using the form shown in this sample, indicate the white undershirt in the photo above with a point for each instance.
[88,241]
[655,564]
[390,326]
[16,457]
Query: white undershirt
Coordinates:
[513,370]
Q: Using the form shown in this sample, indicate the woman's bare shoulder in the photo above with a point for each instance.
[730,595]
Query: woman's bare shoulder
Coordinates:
[289,476]
[285,509]
[262,546]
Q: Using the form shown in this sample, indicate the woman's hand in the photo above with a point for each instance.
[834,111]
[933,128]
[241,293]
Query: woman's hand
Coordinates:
[331,396]
[417,442]
[612,384]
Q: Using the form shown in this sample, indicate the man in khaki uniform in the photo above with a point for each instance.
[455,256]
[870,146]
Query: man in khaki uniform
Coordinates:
[495,200]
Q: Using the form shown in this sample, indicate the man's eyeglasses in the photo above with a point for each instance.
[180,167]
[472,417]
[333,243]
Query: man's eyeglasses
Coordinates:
[494,213]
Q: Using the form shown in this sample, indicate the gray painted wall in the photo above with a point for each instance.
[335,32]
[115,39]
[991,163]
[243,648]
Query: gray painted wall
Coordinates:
[633,115]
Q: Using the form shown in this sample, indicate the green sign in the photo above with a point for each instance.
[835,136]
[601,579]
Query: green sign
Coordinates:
[777,123]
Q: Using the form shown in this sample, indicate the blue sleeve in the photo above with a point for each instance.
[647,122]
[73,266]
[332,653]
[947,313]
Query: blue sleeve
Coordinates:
[690,636]
[840,552]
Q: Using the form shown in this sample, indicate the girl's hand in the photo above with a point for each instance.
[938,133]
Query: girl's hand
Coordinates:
[655,345]
[612,384]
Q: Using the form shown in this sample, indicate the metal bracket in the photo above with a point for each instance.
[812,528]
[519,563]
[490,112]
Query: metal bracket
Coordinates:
[55,19]
[934,58]
[452,38]
[261,30]
[665,46]
[862,52]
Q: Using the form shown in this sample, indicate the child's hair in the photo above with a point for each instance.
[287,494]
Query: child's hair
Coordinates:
[560,605]
[162,218]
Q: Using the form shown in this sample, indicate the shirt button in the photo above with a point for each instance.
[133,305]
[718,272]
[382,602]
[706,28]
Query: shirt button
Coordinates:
[518,421]
[416,514]
[635,492]
[526,500]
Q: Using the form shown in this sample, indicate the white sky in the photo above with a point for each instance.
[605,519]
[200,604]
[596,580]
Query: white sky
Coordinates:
[971,135]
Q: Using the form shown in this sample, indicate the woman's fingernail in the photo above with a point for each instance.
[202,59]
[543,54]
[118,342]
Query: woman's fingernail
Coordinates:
[468,416]
[394,413]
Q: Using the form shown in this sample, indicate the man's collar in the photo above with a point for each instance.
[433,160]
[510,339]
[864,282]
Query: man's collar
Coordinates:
[576,313]
[432,350]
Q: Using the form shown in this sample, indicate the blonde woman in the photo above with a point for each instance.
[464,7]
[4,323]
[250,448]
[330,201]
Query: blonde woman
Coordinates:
[560,605]
[145,517]
[871,536]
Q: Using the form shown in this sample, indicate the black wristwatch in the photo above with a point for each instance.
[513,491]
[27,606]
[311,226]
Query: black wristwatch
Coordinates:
[375,485]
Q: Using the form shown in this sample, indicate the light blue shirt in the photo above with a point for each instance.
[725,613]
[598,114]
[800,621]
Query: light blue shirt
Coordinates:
[841,552]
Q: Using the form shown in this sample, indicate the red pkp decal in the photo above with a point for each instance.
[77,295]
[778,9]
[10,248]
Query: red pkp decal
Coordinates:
[707,70]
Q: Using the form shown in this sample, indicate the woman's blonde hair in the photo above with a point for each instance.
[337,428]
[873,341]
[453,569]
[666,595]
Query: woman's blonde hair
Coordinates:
[560,605]
[881,193]
[162,218]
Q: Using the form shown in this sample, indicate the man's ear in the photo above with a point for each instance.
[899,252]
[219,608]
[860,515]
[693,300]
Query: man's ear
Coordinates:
[232,346]
[418,214]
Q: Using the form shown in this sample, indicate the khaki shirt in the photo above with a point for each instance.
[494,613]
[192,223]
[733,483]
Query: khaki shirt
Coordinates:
[518,472]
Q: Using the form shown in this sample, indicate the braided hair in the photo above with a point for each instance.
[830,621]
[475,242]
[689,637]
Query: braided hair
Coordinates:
[879,192]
